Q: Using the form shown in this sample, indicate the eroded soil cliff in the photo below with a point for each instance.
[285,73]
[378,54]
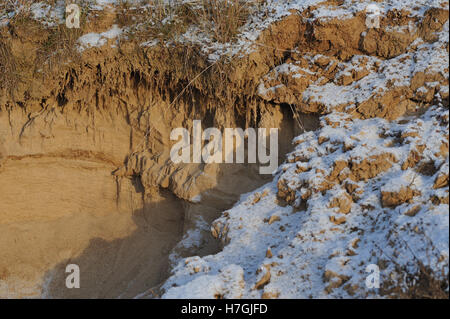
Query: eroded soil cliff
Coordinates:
[85,171]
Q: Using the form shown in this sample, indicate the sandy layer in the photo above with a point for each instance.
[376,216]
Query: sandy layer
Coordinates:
[56,211]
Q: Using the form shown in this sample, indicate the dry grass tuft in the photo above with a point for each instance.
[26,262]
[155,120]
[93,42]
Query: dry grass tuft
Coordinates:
[424,283]
[59,47]
[415,280]
[224,18]
[8,67]
[221,19]
[156,20]
[48,47]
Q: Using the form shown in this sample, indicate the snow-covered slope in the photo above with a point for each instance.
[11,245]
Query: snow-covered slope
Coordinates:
[362,205]
[368,190]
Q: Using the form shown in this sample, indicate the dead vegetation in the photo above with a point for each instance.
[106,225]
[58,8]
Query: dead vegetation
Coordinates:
[8,68]
[157,20]
[224,17]
[220,19]
[59,47]
[423,283]
[30,49]
[415,279]
[173,64]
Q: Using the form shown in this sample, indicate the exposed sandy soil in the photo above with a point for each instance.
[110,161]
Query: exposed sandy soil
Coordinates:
[57,212]
[63,206]
[85,174]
